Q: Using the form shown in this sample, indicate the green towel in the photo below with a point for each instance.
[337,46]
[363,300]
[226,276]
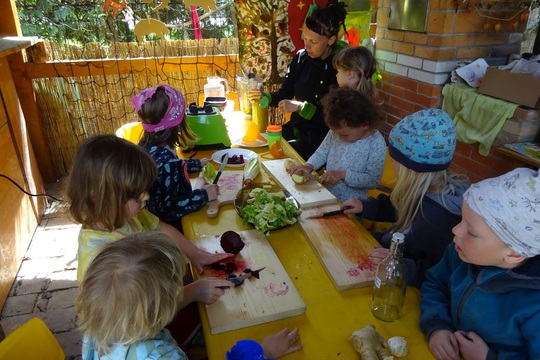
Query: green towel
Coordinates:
[478,118]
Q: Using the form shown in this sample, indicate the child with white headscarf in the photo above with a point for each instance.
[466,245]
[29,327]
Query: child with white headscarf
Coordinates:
[482,300]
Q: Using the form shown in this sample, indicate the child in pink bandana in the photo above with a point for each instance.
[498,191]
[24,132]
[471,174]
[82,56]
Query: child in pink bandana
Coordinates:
[162,112]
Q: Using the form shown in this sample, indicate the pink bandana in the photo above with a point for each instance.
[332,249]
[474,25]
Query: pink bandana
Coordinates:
[175,113]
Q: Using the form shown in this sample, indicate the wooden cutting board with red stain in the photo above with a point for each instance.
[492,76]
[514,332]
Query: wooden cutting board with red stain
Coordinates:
[256,301]
[342,245]
[230,182]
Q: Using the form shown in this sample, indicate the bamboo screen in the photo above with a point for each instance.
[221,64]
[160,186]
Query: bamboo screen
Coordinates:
[84,91]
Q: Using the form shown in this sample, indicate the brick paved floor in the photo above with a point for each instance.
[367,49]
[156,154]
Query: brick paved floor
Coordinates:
[46,284]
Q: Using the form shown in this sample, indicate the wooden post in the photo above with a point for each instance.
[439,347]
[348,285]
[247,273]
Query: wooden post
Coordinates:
[9,26]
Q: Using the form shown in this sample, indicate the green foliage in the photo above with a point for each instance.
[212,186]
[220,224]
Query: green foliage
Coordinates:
[83,21]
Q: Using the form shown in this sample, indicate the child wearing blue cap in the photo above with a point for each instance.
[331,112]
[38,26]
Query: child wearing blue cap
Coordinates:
[426,201]
[482,300]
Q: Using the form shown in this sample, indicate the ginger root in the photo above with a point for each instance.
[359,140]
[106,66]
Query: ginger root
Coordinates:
[370,344]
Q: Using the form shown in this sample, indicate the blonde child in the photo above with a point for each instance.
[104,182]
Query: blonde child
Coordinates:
[353,151]
[162,113]
[107,191]
[426,201]
[356,66]
[131,290]
[482,300]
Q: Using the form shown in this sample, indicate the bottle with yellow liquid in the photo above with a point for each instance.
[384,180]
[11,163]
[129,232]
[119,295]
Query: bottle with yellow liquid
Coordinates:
[390,283]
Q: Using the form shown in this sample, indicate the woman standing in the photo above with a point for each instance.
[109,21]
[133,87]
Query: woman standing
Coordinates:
[308,79]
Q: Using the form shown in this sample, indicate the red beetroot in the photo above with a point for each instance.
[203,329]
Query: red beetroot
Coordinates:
[231,242]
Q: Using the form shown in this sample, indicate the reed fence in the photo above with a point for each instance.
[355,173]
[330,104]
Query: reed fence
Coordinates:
[84,91]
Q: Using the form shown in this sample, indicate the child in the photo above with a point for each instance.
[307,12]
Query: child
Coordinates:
[356,67]
[353,151]
[426,201]
[131,290]
[162,112]
[107,192]
[482,300]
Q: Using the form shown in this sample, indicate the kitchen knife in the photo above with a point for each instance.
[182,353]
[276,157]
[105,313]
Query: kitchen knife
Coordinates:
[326,214]
[312,176]
[238,280]
[221,168]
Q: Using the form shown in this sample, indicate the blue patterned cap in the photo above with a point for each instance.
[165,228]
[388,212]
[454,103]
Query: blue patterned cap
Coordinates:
[510,205]
[424,141]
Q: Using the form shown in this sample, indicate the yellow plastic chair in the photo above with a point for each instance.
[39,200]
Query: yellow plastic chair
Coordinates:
[132,132]
[31,340]
[387,183]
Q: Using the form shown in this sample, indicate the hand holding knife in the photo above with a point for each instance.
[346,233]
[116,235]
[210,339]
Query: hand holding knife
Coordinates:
[239,280]
[328,213]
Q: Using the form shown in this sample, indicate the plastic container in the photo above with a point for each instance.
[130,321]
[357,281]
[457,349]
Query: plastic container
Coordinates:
[273,133]
[246,350]
[259,116]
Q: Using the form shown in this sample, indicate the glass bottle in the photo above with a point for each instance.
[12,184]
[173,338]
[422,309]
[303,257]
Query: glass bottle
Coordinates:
[390,283]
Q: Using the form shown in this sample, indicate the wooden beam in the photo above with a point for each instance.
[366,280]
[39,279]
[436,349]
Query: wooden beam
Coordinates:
[77,68]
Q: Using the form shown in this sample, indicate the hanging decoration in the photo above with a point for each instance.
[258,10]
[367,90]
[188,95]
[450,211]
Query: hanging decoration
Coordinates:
[519,13]
[196,24]
[150,26]
[115,5]
[164,4]
[210,4]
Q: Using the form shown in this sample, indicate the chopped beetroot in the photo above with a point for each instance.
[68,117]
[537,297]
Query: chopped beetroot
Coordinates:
[231,242]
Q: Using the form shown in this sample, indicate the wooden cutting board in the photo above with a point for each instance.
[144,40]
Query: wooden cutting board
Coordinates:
[256,301]
[342,246]
[230,182]
[309,194]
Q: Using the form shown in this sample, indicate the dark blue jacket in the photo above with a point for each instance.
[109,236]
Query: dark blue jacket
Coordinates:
[171,195]
[429,233]
[502,306]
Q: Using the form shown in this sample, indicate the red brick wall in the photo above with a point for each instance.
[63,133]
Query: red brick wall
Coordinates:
[415,66]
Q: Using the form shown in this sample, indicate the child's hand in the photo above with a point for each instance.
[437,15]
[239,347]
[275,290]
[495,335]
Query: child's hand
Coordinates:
[212,191]
[378,254]
[300,169]
[333,176]
[444,346]
[280,344]
[352,206]
[206,290]
[204,161]
[471,346]
[201,258]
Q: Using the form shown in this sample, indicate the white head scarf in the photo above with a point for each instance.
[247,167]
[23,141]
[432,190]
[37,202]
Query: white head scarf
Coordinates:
[510,205]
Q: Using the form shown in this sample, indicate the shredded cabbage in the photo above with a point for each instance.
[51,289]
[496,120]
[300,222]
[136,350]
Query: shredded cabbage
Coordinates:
[268,211]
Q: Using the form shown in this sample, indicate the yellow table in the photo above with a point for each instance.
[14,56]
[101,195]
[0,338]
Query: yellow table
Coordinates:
[331,316]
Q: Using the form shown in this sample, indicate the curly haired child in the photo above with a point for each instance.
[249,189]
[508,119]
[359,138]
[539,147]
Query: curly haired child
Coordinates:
[131,290]
[161,110]
[482,300]
[353,151]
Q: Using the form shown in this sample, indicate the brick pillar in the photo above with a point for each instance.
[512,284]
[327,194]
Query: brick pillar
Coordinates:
[415,66]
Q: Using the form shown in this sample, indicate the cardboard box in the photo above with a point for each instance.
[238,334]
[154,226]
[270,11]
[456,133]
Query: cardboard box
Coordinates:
[522,89]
